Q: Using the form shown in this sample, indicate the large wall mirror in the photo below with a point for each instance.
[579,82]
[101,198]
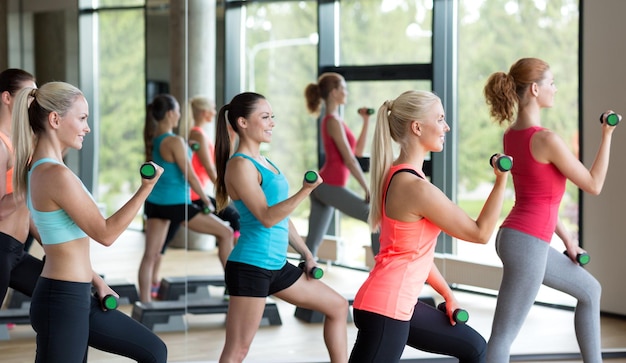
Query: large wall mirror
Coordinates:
[122,53]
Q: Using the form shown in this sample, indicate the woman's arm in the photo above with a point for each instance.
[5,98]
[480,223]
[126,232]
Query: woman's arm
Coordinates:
[548,147]
[570,243]
[338,135]
[57,187]
[243,182]
[436,280]
[298,244]
[360,143]
[410,198]
[203,154]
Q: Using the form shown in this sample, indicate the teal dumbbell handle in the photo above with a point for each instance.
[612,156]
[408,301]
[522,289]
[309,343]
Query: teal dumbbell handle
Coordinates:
[315,271]
[147,171]
[310,176]
[459,315]
[503,162]
[582,258]
[612,119]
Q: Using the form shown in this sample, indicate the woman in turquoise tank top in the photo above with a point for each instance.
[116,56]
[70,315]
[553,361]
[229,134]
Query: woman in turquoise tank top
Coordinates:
[258,265]
[170,202]
[47,121]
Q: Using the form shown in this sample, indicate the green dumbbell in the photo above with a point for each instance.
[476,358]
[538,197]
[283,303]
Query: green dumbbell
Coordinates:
[581,258]
[503,162]
[195,146]
[369,111]
[205,209]
[459,315]
[310,176]
[147,171]
[612,119]
[315,271]
[109,302]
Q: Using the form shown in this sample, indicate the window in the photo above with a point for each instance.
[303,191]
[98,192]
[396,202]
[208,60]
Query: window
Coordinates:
[492,35]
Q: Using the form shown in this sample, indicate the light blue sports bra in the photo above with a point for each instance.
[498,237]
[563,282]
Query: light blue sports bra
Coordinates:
[56,226]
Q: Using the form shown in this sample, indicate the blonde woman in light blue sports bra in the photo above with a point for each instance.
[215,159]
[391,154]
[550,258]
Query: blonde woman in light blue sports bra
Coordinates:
[46,122]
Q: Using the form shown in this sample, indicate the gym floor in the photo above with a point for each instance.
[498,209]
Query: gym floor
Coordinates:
[548,334]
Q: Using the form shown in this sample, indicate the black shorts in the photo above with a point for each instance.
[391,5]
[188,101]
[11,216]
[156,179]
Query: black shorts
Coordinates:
[243,279]
[176,213]
[228,214]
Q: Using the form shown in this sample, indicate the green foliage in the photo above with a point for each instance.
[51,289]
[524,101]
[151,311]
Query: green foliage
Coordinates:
[281,51]
[492,37]
[121,103]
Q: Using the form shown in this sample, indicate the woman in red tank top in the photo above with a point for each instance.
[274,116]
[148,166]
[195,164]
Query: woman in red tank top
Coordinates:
[341,149]
[543,163]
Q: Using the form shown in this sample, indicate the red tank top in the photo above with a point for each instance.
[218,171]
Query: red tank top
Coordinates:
[538,187]
[334,171]
[201,172]
[402,265]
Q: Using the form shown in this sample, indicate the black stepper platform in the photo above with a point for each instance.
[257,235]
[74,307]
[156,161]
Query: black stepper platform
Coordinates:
[160,313]
[15,316]
[12,316]
[173,288]
[312,316]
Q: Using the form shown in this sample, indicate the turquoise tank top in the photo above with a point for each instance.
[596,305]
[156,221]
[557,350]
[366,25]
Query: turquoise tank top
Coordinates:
[258,245]
[55,226]
[172,187]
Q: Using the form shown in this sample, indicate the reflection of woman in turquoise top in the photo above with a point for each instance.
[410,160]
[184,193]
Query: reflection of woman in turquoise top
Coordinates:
[172,179]
[257,267]
[170,202]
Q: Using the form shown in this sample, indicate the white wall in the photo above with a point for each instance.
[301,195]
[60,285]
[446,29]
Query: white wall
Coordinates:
[604,87]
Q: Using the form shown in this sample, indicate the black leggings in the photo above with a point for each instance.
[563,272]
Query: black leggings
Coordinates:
[228,214]
[110,331]
[67,318]
[59,313]
[18,269]
[382,340]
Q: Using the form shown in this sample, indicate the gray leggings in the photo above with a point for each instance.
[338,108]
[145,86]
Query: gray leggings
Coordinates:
[324,200]
[527,263]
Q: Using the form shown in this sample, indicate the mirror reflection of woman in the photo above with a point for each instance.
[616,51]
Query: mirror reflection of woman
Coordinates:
[341,149]
[170,202]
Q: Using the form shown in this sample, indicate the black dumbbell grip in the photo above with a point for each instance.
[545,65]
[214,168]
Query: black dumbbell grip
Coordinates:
[456,315]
